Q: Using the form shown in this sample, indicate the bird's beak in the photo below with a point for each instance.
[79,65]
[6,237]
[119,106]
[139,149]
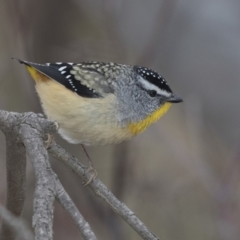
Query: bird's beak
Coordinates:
[174,99]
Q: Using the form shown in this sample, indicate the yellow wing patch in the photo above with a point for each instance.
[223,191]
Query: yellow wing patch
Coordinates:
[136,128]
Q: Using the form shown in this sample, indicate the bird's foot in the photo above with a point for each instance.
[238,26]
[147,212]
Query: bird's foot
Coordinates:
[92,170]
[49,141]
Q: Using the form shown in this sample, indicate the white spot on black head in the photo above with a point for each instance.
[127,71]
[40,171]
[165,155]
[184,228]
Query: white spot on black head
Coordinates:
[58,63]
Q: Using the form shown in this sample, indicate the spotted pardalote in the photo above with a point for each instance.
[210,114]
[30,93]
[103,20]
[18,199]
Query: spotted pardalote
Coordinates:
[98,103]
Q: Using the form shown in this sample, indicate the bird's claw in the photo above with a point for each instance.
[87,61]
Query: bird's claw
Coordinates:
[92,170]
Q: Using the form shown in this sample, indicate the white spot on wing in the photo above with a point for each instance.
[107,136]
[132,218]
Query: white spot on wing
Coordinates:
[62,68]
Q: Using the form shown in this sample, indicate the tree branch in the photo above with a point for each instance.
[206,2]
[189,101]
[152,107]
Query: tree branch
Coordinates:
[30,131]
[103,192]
[45,183]
[70,207]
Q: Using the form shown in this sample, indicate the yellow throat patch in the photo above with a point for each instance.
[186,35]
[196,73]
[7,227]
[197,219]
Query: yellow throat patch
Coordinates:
[138,127]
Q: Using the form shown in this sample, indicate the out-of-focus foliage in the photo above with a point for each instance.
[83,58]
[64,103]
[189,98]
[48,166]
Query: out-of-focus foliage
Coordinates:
[182,176]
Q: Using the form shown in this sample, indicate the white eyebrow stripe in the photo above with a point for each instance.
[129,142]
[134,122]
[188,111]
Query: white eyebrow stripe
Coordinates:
[149,86]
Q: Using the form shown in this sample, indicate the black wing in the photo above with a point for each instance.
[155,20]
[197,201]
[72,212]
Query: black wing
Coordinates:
[62,73]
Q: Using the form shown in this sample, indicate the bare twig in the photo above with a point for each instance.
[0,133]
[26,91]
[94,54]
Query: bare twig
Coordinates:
[30,130]
[70,207]
[103,192]
[47,188]
[45,183]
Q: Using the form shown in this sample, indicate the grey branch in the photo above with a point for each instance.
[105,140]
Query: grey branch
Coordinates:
[70,207]
[29,130]
[45,183]
[103,192]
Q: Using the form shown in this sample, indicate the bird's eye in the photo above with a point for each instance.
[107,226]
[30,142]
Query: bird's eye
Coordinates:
[152,93]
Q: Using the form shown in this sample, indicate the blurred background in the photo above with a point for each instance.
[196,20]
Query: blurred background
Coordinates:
[182,176]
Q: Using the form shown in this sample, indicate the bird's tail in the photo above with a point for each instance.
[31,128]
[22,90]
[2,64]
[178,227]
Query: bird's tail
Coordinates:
[34,70]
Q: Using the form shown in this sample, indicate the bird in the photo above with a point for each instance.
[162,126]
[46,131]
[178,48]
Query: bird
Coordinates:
[100,103]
